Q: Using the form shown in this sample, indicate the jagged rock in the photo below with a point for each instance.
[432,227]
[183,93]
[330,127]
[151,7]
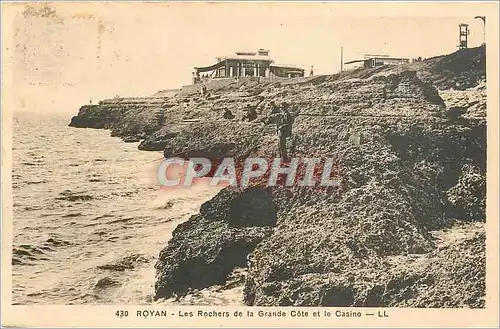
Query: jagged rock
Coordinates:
[391,197]
[468,196]
[132,122]
[157,140]
[209,246]
[126,263]
[445,277]
[140,117]
[93,116]
[367,243]
[106,282]
[460,70]
[472,100]
[131,139]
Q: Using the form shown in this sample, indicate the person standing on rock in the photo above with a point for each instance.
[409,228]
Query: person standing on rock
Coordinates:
[274,108]
[251,113]
[284,129]
[228,114]
[160,115]
[203,90]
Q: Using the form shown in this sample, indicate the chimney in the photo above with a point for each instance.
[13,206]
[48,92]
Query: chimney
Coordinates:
[263,52]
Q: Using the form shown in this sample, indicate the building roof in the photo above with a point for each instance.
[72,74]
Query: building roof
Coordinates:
[250,56]
[382,58]
[288,66]
[368,56]
[246,58]
[209,68]
[392,58]
[243,53]
[356,61]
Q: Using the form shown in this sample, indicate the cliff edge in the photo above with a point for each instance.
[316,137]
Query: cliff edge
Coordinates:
[406,226]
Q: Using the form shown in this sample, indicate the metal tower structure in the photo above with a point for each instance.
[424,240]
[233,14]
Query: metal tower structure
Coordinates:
[464,33]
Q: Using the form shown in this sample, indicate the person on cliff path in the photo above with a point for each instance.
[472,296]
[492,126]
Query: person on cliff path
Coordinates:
[284,130]
[203,90]
[274,108]
[160,115]
[251,113]
[228,114]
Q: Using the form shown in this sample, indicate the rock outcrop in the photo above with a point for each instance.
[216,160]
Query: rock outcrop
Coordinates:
[411,164]
[129,118]
[461,70]
[205,249]
[338,249]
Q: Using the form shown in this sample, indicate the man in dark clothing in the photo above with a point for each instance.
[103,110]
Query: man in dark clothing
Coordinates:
[228,114]
[160,115]
[284,129]
[274,108]
[251,113]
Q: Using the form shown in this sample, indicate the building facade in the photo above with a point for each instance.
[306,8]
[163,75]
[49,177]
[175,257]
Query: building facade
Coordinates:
[379,60]
[246,64]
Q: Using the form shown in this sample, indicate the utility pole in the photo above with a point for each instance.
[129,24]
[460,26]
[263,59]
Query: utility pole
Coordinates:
[341,58]
[483,18]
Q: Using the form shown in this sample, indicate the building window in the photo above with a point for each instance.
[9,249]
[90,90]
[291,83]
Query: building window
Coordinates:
[249,69]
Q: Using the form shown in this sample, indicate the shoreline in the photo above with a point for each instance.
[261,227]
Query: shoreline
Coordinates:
[412,162]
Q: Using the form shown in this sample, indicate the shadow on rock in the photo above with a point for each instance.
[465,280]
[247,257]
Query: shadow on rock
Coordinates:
[204,250]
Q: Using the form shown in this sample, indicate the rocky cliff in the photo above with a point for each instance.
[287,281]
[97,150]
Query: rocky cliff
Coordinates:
[404,229]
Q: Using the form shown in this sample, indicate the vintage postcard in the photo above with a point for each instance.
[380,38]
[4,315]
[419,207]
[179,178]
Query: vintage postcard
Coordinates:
[250,164]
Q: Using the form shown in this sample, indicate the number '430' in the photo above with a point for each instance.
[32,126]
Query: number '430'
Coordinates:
[121,313]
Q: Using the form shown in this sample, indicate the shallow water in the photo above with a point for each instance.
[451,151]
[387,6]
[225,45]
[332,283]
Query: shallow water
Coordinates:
[89,217]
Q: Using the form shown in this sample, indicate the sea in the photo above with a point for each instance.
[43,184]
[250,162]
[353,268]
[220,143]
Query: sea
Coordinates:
[89,218]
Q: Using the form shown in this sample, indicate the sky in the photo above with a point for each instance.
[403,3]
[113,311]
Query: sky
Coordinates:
[83,52]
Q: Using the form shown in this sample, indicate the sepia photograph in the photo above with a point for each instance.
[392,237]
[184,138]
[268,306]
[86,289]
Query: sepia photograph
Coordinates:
[252,155]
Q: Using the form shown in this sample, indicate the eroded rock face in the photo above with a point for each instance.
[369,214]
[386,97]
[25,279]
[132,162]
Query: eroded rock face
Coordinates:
[398,154]
[205,249]
[411,163]
[445,277]
[461,70]
[472,101]
[92,116]
[468,196]
[132,120]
